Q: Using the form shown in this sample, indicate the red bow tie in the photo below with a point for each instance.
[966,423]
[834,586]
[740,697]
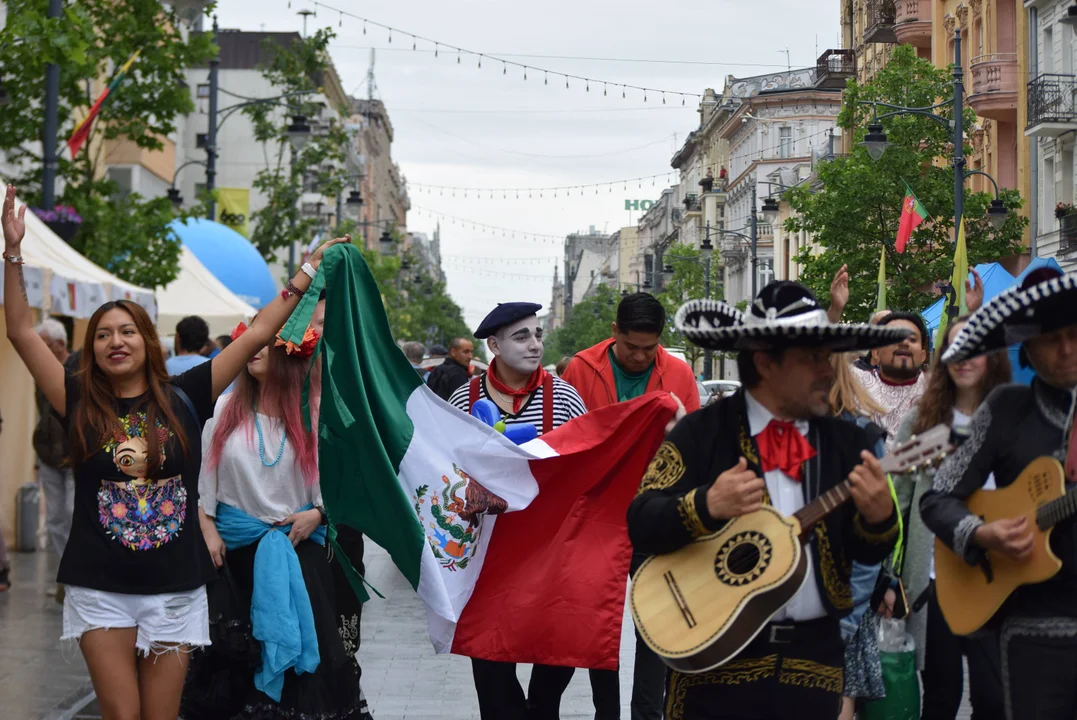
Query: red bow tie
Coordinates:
[782,447]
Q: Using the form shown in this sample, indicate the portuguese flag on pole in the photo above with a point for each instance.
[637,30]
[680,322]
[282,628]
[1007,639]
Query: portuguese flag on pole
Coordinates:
[520,553]
[78,137]
[912,214]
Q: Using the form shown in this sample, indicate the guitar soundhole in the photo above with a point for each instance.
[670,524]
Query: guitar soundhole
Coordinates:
[743,558]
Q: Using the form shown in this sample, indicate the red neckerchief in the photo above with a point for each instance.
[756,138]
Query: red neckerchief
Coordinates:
[782,447]
[891,383]
[518,396]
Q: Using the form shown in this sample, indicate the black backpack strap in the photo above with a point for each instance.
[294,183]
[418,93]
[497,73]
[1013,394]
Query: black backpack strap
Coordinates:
[187,401]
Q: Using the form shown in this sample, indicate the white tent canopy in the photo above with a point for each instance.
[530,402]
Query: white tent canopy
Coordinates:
[198,292]
[62,281]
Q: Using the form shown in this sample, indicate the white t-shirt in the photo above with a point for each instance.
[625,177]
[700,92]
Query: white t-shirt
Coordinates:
[243,481]
[962,420]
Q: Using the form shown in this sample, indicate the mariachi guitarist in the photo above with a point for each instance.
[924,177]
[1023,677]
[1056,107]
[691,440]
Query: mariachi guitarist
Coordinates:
[774,442]
[1015,425]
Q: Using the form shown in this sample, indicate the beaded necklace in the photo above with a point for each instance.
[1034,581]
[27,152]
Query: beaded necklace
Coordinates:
[262,446]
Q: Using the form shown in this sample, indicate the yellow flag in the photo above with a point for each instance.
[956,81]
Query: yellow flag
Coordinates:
[954,305]
[233,209]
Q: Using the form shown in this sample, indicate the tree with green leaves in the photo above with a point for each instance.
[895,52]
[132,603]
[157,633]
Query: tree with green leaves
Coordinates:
[293,70]
[687,283]
[587,323]
[126,234]
[856,210]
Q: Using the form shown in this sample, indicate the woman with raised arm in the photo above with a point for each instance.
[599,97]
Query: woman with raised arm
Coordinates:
[136,565]
[953,394]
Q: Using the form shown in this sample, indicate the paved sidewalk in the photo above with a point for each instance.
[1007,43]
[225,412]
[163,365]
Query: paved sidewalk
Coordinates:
[402,677]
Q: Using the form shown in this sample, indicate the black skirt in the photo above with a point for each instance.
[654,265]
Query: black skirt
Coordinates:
[220,688]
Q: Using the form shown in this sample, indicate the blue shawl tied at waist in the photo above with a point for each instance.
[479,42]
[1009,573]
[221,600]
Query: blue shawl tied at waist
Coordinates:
[281,617]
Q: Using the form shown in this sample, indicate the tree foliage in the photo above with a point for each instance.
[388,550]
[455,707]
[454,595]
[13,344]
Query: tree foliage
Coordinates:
[292,70]
[687,283]
[588,323]
[857,210]
[127,235]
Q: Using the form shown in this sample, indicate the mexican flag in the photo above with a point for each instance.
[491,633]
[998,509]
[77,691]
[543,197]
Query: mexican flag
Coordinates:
[912,214]
[519,553]
[78,137]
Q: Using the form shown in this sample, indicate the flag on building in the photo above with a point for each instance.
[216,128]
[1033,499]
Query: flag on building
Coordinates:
[78,137]
[955,307]
[912,214]
[880,302]
[519,553]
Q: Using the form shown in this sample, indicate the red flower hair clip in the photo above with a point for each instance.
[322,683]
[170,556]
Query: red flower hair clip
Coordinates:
[240,329]
[304,349]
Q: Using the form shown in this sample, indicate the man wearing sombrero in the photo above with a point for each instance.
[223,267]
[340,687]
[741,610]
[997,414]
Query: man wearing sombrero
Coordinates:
[773,442]
[1015,425]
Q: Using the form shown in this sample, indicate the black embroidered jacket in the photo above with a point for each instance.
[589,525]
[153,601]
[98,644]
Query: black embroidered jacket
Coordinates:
[1013,426]
[670,510]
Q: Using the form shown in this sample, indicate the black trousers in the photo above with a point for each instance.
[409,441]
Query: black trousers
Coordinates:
[943,674]
[788,671]
[1039,659]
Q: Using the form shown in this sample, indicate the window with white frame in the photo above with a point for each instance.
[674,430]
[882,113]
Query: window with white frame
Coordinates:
[785,142]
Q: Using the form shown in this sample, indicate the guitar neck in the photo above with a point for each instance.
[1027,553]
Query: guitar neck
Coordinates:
[823,505]
[834,498]
[1054,512]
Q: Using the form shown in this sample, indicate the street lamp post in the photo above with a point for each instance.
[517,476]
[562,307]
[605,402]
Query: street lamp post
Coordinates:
[705,248]
[875,141]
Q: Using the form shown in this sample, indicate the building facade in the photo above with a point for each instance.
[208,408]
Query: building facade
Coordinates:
[382,185]
[1050,129]
[590,260]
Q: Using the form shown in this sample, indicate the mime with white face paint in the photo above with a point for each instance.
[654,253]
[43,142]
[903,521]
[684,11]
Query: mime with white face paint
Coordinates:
[525,394]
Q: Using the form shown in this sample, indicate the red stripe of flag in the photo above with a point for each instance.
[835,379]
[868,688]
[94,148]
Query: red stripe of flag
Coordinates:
[82,132]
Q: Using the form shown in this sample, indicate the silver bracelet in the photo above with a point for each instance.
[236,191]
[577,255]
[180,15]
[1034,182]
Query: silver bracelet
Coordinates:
[309,270]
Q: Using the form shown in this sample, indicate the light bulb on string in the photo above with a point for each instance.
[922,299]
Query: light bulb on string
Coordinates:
[390,36]
[341,23]
[588,85]
[622,92]
[525,72]
[457,57]
[435,49]
[504,69]
[364,25]
[644,96]
[603,89]
[663,98]
[566,82]
[480,62]
[413,43]
[545,78]
[682,99]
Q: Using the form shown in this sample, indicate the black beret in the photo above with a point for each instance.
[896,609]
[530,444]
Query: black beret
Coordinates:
[505,314]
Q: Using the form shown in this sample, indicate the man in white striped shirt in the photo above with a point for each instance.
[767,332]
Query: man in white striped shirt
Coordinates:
[525,394]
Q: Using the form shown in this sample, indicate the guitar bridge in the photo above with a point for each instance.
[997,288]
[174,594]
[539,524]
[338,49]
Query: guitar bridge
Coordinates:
[678,597]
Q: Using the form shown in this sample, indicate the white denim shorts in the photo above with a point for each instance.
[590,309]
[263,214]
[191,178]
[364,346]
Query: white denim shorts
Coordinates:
[163,621]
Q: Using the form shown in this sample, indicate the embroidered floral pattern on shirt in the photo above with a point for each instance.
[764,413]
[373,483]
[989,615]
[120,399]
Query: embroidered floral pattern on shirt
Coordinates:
[838,592]
[686,506]
[735,672]
[805,673]
[953,468]
[896,399]
[142,516]
[141,513]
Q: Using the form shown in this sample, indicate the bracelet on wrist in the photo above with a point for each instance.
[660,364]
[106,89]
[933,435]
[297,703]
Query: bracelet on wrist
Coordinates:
[14,259]
[291,289]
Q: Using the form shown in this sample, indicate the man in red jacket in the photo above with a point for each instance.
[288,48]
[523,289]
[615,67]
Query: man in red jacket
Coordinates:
[630,364]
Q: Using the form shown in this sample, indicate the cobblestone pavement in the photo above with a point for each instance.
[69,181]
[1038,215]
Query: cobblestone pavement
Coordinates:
[402,677]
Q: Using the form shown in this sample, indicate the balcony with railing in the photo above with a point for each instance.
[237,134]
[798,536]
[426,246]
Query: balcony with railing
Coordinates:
[912,22]
[692,204]
[1067,234]
[993,90]
[880,21]
[1052,105]
[834,68]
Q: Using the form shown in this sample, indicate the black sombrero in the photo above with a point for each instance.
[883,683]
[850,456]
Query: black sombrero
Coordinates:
[785,314]
[1046,301]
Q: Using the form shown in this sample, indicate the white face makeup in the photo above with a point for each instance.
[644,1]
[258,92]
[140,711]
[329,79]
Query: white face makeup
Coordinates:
[519,345]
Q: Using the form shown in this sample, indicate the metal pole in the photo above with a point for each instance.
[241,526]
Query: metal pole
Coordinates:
[959,136]
[708,358]
[340,207]
[211,133]
[755,244]
[291,221]
[52,112]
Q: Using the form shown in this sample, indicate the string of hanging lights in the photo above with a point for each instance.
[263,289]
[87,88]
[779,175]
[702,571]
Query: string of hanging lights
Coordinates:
[492,230]
[505,63]
[501,260]
[496,273]
[531,193]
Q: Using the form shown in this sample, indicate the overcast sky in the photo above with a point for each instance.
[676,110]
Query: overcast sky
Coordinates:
[457,125]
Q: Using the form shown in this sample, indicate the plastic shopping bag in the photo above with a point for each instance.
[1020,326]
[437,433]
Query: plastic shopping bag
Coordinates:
[898,659]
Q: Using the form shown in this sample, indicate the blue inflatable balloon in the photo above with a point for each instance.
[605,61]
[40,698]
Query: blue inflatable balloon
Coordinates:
[486,411]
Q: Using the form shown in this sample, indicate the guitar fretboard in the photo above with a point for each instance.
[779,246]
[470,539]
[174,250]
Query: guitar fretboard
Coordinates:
[1057,510]
[823,505]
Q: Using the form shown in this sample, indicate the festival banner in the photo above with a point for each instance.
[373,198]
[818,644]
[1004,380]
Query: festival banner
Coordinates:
[234,209]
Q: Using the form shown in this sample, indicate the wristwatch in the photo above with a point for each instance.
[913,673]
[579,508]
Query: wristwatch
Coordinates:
[325,517]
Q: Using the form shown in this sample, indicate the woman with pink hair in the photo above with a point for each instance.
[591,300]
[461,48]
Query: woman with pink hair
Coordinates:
[260,507]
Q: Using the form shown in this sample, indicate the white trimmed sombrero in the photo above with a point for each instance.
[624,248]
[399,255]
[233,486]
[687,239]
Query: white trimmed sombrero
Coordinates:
[785,314]
[1046,301]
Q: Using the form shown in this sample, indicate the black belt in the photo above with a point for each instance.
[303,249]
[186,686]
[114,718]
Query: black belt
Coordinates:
[785,633]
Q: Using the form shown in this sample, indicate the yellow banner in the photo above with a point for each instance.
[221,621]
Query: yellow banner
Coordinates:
[234,209]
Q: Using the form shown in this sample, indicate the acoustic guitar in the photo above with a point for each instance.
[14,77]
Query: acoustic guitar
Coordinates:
[970,595]
[701,605]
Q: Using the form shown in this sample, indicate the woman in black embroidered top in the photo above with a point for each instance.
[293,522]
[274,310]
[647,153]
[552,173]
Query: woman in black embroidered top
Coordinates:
[136,565]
